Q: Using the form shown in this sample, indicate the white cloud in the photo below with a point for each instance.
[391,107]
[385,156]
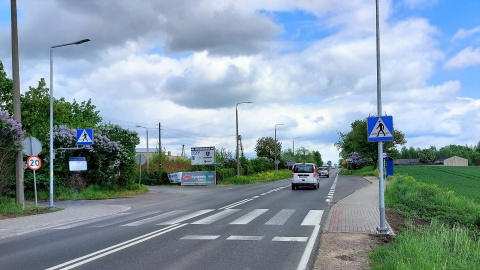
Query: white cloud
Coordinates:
[465,58]
[462,33]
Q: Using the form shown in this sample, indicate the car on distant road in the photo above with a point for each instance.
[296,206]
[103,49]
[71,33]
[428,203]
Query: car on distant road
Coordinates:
[304,174]
[323,171]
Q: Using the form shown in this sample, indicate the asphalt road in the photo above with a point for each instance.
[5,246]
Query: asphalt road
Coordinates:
[260,226]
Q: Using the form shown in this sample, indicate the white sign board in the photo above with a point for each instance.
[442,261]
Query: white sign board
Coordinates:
[203,155]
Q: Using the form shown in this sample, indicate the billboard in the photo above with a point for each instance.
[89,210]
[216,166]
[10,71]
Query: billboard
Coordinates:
[198,178]
[203,155]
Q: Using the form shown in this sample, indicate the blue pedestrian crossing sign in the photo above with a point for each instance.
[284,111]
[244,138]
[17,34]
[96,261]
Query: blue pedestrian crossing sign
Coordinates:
[380,129]
[85,136]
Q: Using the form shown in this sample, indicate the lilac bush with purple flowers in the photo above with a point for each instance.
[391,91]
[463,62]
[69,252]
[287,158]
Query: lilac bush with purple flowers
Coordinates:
[104,158]
[11,136]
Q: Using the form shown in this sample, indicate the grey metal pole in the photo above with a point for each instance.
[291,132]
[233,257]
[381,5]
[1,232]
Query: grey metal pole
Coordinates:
[146,130]
[236,137]
[236,141]
[294,148]
[52,153]
[275,147]
[383,228]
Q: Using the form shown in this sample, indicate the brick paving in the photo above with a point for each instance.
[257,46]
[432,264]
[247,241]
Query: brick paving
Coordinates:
[357,213]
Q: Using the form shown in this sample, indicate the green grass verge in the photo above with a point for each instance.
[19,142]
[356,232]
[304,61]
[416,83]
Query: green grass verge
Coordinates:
[435,247]
[450,242]
[365,171]
[261,177]
[10,209]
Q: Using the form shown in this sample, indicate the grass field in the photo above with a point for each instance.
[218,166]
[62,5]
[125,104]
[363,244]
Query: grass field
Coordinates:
[463,181]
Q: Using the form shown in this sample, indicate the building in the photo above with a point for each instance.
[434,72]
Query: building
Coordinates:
[455,161]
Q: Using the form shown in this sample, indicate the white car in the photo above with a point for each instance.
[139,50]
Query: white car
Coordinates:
[304,174]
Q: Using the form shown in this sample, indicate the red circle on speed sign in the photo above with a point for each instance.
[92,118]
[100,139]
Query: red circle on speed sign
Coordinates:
[34,163]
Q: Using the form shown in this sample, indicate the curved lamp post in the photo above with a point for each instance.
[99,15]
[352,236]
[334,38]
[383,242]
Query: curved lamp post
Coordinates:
[52,153]
[236,114]
[275,150]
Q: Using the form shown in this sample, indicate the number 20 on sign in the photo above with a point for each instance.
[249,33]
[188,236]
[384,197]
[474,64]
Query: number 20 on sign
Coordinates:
[34,163]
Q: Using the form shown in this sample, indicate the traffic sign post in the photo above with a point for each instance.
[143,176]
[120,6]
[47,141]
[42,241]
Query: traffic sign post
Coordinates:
[380,129]
[34,163]
[85,136]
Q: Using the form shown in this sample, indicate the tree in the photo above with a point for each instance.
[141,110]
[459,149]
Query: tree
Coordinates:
[267,147]
[356,141]
[6,91]
[36,109]
[428,155]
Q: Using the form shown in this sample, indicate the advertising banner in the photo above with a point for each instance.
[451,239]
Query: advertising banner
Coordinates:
[175,177]
[198,178]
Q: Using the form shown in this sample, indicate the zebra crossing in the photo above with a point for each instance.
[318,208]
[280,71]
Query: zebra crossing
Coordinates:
[230,216]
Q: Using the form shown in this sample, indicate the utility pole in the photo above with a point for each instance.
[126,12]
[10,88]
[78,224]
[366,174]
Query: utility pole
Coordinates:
[17,112]
[160,141]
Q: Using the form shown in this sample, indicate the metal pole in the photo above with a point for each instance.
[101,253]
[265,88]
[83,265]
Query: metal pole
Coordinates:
[294,148]
[236,141]
[146,129]
[236,137]
[52,153]
[160,142]
[275,146]
[383,228]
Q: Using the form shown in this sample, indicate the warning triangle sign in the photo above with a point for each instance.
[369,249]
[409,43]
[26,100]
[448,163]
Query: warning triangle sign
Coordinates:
[84,137]
[380,130]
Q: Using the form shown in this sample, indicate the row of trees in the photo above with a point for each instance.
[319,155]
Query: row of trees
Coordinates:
[431,154]
[355,146]
[111,159]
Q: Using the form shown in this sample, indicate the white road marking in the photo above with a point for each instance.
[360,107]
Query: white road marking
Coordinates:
[155,218]
[308,249]
[313,218]
[186,217]
[216,217]
[281,217]
[289,239]
[245,237]
[104,252]
[245,219]
[88,221]
[200,237]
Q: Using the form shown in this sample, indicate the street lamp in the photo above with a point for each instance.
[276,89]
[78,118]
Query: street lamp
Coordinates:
[148,156]
[236,114]
[294,148]
[52,153]
[275,146]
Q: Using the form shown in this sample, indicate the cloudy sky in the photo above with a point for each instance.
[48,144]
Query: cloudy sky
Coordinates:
[307,64]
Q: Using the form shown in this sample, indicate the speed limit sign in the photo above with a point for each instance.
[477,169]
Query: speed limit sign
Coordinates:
[34,163]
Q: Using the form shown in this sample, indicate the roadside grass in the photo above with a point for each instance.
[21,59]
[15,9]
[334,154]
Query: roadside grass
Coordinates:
[450,242]
[436,247]
[262,177]
[10,209]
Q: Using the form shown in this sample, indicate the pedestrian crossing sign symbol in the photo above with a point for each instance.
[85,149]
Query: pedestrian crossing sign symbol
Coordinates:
[85,136]
[380,129]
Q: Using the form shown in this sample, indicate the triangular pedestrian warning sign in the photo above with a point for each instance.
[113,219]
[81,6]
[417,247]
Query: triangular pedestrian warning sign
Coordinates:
[380,130]
[84,137]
